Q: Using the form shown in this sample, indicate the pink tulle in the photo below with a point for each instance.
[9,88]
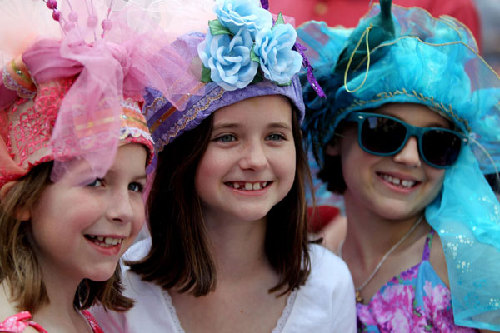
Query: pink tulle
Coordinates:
[88,121]
[107,56]
[119,65]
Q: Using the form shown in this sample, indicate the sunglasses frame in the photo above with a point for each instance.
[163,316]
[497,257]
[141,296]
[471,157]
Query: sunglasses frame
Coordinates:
[411,131]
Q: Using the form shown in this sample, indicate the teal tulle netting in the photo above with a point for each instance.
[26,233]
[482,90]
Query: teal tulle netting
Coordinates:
[409,56]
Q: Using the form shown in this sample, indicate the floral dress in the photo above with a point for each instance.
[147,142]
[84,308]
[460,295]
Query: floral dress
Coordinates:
[18,322]
[416,300]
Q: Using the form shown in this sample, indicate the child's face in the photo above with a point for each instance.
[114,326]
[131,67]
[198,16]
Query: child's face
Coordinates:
[250,162]
[80,231]
[398,186]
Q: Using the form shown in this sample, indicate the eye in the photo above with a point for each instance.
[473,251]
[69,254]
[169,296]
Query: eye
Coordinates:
[225,138]
[276,137]
[135,187]
[96,183]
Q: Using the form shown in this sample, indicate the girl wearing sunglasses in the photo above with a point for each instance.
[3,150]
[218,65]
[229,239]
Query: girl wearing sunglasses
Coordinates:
[409,126]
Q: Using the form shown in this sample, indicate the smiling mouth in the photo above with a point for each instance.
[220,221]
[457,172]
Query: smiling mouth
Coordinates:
[248,186]
[104,241]
[399,182]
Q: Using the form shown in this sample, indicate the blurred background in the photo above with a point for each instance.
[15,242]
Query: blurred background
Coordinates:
[481,16]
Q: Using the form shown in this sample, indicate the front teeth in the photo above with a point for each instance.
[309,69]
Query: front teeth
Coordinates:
[407,183]
[105,241]
[248,186]
[399,182]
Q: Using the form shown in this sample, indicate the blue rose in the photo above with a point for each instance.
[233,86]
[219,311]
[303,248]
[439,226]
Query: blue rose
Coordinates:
[229,59]
[238,14]
[278,61]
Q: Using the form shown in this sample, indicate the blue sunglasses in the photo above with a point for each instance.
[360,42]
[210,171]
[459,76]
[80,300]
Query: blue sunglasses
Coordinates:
[383,135]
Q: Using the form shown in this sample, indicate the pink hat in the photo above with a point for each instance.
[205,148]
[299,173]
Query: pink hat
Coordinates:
[77,96]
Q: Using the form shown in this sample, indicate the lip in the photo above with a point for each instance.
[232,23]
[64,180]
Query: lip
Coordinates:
[399,175]
[402,177]
[252,193]
[109,250]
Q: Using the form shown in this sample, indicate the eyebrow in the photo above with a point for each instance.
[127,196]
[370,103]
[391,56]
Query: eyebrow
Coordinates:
[236,125]
[280,125]
[224,126]
[142,176]
[432,124]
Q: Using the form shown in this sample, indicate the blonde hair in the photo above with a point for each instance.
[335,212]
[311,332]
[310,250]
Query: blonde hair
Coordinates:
[19,266]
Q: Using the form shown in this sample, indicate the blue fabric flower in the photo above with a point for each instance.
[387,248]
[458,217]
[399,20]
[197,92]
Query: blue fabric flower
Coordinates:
[238,14]
[229,59]
[278,61]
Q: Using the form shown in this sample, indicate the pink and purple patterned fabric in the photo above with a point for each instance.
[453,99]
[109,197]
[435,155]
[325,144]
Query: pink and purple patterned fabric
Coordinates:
[416,300]
[18,322]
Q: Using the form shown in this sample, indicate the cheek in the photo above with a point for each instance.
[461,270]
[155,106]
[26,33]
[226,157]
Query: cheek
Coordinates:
[436,177]
[285,164]
[352,159]
[139,215]
[211,169]
[211,164]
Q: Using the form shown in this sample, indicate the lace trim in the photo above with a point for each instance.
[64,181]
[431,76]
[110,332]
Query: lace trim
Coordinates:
[286,312]
[290,301]
[173,313]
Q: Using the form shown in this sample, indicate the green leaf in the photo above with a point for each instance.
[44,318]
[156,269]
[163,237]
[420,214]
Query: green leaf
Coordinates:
[206,74]
[216,28]
[254,57]
[279,20]
[258,77]
[284,84]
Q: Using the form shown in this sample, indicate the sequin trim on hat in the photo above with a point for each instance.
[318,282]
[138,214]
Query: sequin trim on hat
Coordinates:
[15,77]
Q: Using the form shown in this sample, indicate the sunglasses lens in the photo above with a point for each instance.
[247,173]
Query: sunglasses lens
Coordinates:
[441,148]
[382,135]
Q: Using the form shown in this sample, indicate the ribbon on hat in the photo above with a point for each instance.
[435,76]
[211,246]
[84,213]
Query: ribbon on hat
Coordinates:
[88,121]
[114,66]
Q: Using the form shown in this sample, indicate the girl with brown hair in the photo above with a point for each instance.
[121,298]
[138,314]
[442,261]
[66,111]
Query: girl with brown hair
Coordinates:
[227,212]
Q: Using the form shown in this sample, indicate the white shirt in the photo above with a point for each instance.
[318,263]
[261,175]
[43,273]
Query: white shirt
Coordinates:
[326,303]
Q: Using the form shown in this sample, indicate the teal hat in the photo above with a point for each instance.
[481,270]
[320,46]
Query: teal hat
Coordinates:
[406,55]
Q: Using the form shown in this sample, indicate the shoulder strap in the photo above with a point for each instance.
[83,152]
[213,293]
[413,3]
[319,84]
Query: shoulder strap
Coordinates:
[426,253]
[18,322]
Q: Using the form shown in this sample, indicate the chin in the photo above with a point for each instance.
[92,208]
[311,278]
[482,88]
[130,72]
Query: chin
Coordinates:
[101,273]
[399,213]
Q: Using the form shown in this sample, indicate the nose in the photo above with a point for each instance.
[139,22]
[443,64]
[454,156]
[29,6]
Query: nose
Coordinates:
[409,155]
[120,206]
[253,156]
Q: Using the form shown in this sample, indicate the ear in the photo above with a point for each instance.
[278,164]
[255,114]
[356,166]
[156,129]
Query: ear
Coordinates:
[5,189]
[332,149]
[23,214]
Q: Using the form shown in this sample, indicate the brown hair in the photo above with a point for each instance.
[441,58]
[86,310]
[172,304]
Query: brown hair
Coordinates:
[330,171]
[18,263]
[180,252]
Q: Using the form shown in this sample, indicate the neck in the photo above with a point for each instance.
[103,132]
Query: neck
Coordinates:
[370,236]
[238,246]
[59,312]
[7,309]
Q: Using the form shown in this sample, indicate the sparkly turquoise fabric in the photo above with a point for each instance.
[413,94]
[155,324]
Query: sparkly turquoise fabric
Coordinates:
[434,62]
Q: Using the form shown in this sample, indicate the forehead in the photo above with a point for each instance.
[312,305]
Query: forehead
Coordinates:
[415,114]
[270,108]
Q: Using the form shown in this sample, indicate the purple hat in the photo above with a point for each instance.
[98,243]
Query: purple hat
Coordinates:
[245,53]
